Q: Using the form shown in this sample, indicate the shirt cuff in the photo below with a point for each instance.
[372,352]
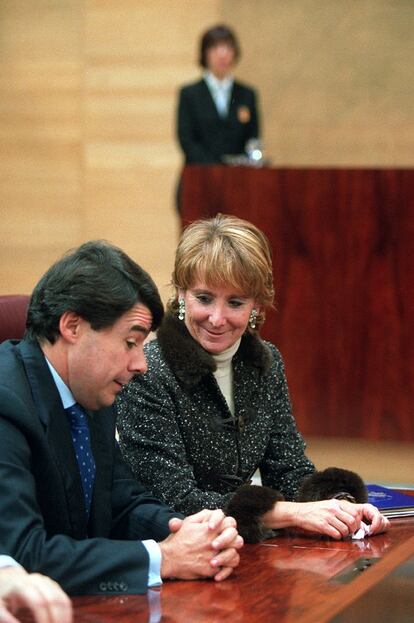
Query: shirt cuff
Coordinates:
[154,570]
[8,561]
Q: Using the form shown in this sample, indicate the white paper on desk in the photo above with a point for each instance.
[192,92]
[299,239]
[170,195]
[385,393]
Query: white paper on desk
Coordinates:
[362,531]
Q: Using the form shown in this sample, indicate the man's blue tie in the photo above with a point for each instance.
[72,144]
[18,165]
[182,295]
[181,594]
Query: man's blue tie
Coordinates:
[82,445]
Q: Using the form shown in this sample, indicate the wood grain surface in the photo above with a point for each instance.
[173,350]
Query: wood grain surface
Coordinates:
[288,579]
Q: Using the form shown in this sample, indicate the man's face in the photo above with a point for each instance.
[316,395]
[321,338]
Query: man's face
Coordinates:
[100,362]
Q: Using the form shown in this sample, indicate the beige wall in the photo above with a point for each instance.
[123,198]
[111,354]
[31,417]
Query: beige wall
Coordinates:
[87,96]
[336,78]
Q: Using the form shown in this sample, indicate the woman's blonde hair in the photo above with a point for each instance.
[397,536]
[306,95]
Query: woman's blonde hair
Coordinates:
[225,251]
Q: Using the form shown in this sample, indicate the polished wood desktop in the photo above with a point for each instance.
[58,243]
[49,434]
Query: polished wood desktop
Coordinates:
[291,578]
[391,599]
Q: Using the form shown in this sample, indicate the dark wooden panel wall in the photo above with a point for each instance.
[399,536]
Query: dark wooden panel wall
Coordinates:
[343,266]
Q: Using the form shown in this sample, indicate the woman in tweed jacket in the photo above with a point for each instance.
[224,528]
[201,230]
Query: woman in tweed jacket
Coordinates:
[214,404]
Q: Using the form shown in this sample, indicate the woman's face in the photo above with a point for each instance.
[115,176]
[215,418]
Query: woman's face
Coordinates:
[216,317]
[220,59]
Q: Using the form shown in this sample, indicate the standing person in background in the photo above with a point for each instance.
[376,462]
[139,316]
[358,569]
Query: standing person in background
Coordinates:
[216,115]
[214,404]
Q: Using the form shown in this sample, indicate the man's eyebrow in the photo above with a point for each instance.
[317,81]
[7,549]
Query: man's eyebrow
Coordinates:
[140,328]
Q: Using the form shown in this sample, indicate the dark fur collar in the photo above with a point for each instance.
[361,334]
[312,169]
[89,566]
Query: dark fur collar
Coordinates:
[190,362]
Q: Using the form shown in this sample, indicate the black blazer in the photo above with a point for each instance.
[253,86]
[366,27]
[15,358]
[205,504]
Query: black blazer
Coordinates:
[42,514]
[203,135]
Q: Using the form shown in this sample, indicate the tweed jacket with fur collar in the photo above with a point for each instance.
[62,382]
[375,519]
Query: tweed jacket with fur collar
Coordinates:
[181,440]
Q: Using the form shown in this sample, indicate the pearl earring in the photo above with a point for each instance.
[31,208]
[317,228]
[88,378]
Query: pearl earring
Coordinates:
[181,309]
[252,318]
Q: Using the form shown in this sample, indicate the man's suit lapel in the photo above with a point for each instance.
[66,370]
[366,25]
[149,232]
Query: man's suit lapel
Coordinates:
[50,410]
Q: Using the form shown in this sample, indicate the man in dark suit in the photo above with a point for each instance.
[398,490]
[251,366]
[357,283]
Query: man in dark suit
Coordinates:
[216,115]
[69,507]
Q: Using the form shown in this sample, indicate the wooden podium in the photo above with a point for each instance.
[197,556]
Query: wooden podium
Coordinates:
[343,243]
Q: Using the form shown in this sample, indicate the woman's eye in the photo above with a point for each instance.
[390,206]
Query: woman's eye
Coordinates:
[203,298]
[235,303]
[130,344]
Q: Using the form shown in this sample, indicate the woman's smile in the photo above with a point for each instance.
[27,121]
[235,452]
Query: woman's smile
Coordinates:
[216,317]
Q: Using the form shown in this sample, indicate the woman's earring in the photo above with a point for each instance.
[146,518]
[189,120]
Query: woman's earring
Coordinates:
[181,309]
[252,318]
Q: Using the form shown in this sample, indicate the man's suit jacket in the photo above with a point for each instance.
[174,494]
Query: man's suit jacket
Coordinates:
[42,513]
[203,135]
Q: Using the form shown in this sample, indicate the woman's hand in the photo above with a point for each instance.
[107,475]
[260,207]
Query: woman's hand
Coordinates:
[372,516]
[334,518]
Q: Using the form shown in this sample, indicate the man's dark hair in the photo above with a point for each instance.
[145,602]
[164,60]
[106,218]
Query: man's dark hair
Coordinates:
[215,35]
[99,282]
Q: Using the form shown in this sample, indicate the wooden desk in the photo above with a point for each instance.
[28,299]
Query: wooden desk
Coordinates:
[391,599]
[288,579]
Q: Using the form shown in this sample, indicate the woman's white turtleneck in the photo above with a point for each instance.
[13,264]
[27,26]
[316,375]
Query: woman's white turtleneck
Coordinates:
[224,373]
